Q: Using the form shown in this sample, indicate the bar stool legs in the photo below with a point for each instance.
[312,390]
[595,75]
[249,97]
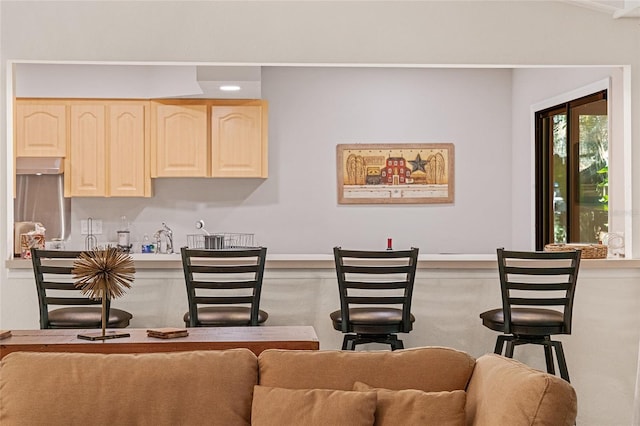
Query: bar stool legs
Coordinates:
[510,347]
[500,343]
[549,346]
[351,340]
[562,364]
[548,357]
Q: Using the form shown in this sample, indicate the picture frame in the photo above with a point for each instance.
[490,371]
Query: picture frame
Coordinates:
[395,173]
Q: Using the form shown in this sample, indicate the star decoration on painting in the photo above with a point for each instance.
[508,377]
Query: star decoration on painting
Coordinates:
[418,164]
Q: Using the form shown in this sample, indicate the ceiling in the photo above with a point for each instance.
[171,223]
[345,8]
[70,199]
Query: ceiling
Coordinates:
[202,81]
[616,8]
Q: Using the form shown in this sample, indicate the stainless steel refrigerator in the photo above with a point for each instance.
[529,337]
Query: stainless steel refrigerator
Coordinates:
[40,196]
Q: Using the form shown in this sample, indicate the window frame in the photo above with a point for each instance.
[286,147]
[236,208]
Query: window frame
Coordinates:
[543,161]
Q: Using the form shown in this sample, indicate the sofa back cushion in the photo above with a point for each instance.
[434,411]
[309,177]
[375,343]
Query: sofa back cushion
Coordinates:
[428,369]
[505,392]
[415,407]
[312,407]
[189,388]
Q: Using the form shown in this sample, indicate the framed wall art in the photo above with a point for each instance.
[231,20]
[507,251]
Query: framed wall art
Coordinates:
[418,173]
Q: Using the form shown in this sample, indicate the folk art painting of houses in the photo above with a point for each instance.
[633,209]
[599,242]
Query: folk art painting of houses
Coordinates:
[395,173]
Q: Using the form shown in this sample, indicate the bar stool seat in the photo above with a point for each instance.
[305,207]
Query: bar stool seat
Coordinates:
[87,318]
[238,316]
[526,320]
[371,320]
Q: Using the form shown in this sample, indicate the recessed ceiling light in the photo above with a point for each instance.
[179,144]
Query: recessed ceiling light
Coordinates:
[229,88]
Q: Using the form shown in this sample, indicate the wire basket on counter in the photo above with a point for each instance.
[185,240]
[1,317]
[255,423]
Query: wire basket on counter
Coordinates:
[589,251]
[220,240]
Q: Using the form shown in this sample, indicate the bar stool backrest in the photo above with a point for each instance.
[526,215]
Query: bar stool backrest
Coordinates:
[376,278]
[223,278]
[538,279]
[55,283]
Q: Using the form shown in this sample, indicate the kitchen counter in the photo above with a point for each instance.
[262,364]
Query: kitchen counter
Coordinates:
[326,261]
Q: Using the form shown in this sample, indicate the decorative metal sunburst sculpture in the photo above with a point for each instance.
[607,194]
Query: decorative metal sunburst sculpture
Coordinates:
[103,274]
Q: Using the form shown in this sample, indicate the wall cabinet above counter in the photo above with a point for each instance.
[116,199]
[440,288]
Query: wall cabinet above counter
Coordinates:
[104,143]
[209,138]
[112,148]
[40,128]
[108,149]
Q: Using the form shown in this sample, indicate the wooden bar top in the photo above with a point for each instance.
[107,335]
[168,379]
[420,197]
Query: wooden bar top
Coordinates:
[256,339]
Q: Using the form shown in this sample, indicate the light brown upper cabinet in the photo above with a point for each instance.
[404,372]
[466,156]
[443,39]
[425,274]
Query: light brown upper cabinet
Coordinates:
[179,139]
[209,138]
[129,149]
[239,141]
[109,147]
[40,128]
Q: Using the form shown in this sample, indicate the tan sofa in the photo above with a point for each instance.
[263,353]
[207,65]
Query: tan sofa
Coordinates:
[427,386]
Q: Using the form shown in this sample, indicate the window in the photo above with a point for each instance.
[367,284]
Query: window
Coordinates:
[572,171]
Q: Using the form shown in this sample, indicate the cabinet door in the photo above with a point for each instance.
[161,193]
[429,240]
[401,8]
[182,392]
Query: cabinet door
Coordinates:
[238,141]
[179,140]
[128,165]
[41,128]
[87,143]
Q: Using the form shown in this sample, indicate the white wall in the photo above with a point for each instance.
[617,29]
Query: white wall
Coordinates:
[533,86]
[114,81]
[314,108]
[311,110]
[329,32]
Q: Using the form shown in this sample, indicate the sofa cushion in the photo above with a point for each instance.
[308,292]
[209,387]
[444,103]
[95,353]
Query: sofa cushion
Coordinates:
[415,407]
[188,388]
[505,392]
[311,407]
[428,369]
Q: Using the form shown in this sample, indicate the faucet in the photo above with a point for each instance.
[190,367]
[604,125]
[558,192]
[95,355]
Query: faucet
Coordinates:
[168,233]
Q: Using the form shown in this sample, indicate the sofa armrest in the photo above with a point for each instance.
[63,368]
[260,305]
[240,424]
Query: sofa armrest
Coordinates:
[503,391]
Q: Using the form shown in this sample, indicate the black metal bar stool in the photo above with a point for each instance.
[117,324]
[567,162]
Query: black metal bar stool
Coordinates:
[531,282]
[54,277]
[224,286]
[370,284]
